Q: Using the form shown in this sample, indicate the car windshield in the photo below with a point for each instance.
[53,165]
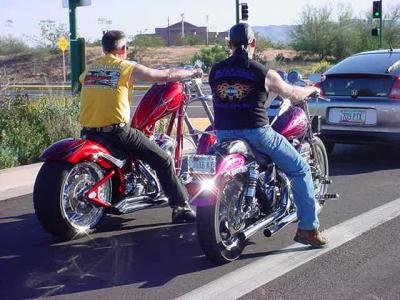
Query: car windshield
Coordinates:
[357,86]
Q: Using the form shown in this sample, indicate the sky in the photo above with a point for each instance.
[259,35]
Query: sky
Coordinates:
[20,18]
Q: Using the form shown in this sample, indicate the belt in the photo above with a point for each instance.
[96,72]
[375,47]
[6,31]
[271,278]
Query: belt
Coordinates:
[110,128]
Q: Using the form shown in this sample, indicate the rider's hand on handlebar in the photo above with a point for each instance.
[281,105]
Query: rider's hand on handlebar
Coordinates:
[197,73]
[315,92]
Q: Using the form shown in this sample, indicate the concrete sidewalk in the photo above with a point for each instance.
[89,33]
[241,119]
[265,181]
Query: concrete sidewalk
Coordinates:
[19,181]
[15,182]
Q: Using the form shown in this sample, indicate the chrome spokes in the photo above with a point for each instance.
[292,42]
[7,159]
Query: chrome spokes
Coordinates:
[79,211]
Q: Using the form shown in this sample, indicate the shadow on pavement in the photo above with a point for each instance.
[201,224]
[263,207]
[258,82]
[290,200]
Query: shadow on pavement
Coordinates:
[358,159]
[34,264]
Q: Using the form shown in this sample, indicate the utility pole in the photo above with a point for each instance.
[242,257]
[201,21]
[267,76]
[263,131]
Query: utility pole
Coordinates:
[207,31]
[183,26]
[237,11]
[381,26]
[73,46]
[77,45]
[168,33]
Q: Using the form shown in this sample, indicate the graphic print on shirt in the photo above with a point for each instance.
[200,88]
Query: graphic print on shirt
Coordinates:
[102,78]
[233,92]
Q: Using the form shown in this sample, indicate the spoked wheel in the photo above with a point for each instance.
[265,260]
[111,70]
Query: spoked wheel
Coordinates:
[320,170]
[219,223]
[59,198]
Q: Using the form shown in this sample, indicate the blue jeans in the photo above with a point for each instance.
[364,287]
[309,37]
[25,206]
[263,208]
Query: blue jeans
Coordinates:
[267,141]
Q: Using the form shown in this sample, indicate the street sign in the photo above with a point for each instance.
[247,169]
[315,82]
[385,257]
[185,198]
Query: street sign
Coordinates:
[62,43]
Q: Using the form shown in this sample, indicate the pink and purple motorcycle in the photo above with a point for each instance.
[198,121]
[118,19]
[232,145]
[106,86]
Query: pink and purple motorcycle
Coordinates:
[236,196]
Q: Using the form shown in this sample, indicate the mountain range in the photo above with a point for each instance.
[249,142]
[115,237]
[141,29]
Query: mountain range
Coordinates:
[276,33]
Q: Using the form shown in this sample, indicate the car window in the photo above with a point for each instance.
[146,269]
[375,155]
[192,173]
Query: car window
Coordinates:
[357,86]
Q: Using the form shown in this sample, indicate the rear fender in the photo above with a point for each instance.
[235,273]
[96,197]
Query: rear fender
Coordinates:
[227,166]
[76,150]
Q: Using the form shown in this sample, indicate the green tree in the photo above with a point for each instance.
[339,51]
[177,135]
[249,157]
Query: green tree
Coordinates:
[50,32]
[10,45]
[190,40]
[140,44]
[210,55]
[391,31]
[315,33]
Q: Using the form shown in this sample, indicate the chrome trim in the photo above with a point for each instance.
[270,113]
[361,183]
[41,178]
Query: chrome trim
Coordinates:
[290,218]
[253,228]
[132,204]
[153,179]
[115,161]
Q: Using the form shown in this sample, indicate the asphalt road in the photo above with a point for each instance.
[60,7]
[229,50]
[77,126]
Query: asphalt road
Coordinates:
[143,256]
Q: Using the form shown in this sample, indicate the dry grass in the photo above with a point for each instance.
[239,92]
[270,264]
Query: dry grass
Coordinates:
[44,68]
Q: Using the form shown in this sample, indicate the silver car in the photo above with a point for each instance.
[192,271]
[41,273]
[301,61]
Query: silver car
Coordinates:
[364,93]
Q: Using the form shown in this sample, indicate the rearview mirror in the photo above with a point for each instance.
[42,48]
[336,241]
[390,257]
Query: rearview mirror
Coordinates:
[316,77]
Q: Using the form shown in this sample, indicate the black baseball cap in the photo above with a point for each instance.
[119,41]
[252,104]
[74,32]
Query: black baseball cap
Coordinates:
[241,34]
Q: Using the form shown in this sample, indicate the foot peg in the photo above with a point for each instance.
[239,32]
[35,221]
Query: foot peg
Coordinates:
[326,181]
[329,196]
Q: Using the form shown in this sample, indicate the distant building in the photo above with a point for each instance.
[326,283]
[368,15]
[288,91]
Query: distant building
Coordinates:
[172,35]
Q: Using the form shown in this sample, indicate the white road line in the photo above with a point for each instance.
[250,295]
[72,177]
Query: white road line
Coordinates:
[264,270]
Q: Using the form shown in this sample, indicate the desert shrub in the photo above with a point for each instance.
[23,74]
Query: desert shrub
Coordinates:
[321,67]
[29,126]
[210,55]
[10,45]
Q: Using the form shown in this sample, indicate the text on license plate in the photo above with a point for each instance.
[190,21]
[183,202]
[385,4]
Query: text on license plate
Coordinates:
[202,164]
[352,116]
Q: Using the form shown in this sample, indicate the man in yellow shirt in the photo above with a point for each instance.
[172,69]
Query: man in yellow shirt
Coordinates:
[107,85]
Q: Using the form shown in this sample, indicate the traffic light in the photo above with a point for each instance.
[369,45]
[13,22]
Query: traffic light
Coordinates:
[375,31]
[377,9]
[245,11]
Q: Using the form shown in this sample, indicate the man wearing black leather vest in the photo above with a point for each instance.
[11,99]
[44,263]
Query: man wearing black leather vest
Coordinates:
[240,88]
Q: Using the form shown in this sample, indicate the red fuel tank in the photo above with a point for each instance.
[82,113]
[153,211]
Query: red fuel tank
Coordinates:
[159,101]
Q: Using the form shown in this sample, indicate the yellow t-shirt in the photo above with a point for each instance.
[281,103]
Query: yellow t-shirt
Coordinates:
[106,92]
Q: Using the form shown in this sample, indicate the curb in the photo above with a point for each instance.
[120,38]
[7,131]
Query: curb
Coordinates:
[18,181]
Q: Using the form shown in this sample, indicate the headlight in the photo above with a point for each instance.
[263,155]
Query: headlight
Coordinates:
[207,184]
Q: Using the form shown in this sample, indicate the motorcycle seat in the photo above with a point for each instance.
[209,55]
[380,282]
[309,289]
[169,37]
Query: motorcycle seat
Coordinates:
[230,146]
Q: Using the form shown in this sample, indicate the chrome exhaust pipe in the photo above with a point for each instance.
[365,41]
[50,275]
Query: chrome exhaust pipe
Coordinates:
[290,218]
[132,204]
[253,228]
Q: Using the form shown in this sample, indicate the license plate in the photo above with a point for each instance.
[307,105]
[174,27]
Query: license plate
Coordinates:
[352,116]
[202,164]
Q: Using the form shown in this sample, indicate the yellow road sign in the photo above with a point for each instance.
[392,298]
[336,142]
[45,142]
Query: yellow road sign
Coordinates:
[62,43]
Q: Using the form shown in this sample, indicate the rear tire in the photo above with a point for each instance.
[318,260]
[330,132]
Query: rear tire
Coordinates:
[213,223]
[58,200]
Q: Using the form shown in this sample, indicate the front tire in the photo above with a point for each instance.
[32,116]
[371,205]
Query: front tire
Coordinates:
[58,198]
[215,226]
[320,170]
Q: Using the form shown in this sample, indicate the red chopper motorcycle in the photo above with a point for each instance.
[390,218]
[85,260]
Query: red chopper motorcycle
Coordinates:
[81,180]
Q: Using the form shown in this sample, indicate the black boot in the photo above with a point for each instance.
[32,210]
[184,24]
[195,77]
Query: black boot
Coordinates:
[183,214]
